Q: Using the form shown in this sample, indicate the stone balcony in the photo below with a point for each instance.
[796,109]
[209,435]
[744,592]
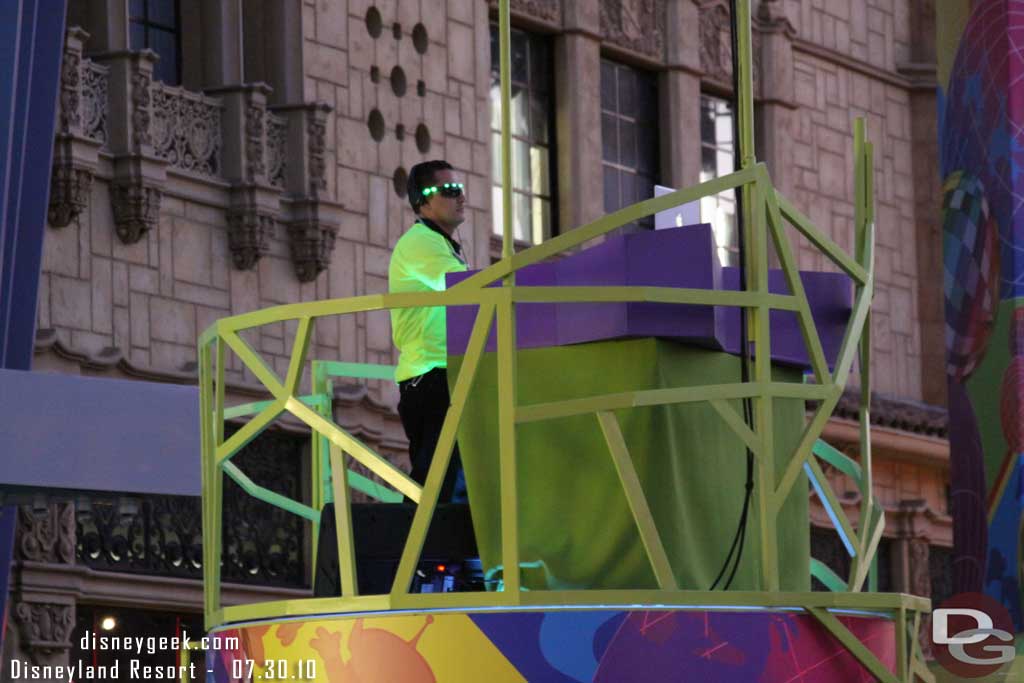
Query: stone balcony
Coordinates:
[260,164]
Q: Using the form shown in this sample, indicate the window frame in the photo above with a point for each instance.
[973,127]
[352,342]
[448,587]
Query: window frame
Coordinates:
[533,41]
[149,25]
[634,118]
[731,248]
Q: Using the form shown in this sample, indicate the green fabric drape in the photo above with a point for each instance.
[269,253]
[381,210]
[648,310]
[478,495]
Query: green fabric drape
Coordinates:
[573,512]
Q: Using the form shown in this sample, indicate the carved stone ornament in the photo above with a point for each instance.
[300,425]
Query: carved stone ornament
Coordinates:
[141,102]
[46,535]
[312,243]
[136,208]
[249,233]
[316,134]
[254,161]
[186,129]
[635,25]
[69,192]
[276,149]
[70,78]
[716,44]
[45,627]
[547,10]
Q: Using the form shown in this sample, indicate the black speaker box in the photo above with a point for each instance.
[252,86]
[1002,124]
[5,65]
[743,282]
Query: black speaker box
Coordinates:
[379,532]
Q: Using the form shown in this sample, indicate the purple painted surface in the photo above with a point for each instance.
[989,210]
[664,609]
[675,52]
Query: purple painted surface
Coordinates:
[681,257]
[93,434]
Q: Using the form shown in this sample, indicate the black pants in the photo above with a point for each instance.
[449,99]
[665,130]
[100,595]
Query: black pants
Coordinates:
[423,405]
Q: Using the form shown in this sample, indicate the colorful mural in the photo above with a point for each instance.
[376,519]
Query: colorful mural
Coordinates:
[556,646]
[981,138]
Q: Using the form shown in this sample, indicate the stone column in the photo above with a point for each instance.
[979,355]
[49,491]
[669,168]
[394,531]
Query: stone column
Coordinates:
[139,177]
[924,158]
[108,25]
[78,142]
[222,42]
[774,130]
[578,116]
[43,617]
[679,90]
[910,553]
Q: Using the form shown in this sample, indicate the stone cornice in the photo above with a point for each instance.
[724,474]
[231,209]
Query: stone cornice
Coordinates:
[134,590]
[902,414]
[852,63]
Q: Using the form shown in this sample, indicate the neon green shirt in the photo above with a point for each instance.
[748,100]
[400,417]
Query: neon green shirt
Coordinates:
[418,264]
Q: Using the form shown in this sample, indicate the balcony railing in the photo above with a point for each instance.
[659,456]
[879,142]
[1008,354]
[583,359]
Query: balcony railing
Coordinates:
[185,129]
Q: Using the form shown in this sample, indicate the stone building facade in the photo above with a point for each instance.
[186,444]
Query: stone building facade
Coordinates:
[220,156]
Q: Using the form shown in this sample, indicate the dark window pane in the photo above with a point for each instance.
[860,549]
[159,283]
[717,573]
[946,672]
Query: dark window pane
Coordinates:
[647,149]
[520,65]
[609,138]
[627,143]
[647,98]
[627,91]
[644,187]
[163,12]
[137,36]
[540,110]
[137,9]
[707,119]
[165,44]
[495,54]
[540,65]
[611,189]
[627,183]
[708,167]
[608,92]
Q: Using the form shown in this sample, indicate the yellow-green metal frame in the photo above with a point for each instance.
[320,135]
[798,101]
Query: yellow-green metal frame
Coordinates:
[766,214]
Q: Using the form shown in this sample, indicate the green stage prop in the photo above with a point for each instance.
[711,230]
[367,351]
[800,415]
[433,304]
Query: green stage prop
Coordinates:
[573,515]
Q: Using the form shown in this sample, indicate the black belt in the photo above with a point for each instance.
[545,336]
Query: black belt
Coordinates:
[413,382]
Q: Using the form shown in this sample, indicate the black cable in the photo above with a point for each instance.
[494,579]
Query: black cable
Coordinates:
[739,538]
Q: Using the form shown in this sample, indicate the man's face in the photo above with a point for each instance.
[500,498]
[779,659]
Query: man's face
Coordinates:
[448,212]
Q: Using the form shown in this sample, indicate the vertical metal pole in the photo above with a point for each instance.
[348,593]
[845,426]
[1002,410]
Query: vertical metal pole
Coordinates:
[506,313]
[863,210]
[504,39]
[745,115]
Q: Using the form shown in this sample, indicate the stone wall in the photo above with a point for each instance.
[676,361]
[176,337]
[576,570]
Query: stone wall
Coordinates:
[873,31]
[850,60]
[408,80]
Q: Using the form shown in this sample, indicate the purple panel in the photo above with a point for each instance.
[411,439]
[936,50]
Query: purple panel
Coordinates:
[830,296]
[87,433]
[535,323]
[604,264]
[674,258]
[680,257]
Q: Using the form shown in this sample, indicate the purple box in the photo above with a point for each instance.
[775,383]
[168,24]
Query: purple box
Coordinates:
[679,257]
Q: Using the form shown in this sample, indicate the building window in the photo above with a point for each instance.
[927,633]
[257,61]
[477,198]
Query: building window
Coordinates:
[718,159]
[533,144]
[156,25]
[629,137]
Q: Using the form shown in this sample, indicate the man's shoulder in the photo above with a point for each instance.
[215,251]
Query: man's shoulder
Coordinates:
[418,236]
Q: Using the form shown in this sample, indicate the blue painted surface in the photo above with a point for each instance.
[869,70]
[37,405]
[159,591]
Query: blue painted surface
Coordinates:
[88,433]
[31,40]
[31,46]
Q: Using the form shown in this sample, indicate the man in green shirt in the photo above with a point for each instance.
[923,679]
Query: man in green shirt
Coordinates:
[422,257]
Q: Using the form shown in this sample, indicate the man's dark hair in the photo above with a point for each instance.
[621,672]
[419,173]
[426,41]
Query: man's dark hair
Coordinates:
[421,177]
